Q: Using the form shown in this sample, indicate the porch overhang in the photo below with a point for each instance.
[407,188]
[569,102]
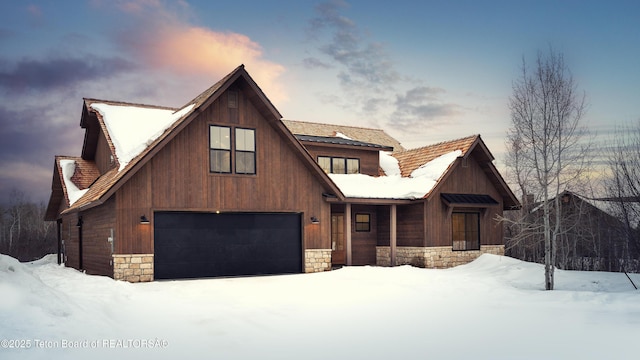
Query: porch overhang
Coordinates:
[370,201]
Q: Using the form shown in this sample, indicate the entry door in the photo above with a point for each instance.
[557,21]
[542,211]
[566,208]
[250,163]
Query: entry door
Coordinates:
[338,250]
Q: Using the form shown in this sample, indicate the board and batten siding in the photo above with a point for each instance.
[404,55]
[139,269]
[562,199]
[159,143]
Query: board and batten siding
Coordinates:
[369,159]
[97,223]
[469,179]
[177,178]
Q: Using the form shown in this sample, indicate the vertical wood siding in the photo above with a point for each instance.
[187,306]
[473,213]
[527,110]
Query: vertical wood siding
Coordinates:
[363,244]
[467,180]
[96,250]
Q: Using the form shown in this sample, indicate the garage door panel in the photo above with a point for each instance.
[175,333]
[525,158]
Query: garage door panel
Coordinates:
[189,245]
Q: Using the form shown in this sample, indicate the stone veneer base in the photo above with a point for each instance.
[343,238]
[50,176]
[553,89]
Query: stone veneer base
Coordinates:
[433,257]
[317,260]
[133,267]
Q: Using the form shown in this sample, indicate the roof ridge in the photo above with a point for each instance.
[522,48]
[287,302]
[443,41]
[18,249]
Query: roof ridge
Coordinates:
[90,101]
[329,124]
[439,144]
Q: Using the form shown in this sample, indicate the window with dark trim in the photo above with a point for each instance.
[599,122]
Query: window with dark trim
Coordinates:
[245,151]
[220,149]
[221,155]
[339,165]
[363,222]
[466,230]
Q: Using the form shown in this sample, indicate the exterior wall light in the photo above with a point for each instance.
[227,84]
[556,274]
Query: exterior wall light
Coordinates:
[315,220]
[144,220]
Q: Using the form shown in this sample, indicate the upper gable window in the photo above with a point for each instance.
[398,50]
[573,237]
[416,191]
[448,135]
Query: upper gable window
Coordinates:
[220,149]
[339,165]
[245,151]
[223,151]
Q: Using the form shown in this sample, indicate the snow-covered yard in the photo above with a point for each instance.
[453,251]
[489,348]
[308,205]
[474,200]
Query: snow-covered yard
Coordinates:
[493,308]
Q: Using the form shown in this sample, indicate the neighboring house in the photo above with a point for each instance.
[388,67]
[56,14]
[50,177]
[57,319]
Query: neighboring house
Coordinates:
[591,235]
[223,187]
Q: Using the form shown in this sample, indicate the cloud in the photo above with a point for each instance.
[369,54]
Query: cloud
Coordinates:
[43,75]
[365,64]
[421,105]
[163,40]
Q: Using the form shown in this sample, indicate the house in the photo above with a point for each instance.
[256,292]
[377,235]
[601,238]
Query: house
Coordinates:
[223,186]
[594,234]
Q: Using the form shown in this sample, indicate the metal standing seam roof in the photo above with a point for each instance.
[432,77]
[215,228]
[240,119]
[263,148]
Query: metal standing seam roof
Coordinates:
[340,141]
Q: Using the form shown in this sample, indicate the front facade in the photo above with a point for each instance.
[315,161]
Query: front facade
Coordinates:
[224,187]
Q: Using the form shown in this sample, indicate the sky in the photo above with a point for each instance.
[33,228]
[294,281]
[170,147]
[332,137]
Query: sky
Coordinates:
[423,71]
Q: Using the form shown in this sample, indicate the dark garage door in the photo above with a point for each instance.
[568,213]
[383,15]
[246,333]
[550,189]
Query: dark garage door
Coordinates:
[192,245]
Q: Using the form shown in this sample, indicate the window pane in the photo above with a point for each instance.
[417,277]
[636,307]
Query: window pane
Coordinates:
[363,222]
[353,166]
[325,163]
[465,231]
[245,163]
[220,161]
[245,140]
[220,137]
[338,166]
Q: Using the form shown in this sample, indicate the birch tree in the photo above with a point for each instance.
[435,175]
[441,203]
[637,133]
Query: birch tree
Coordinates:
[545,134]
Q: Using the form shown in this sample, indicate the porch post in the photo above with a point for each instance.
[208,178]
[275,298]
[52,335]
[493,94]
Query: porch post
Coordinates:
[347,230]
[393,234]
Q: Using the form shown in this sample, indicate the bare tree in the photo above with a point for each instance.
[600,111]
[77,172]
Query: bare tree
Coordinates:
[624,185]
[544,140]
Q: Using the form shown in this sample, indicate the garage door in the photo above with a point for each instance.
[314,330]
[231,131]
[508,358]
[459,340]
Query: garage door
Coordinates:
[193,245]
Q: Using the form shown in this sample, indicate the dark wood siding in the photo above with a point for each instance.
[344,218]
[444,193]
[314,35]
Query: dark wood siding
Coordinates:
[69,236]
[178,178]
[410,224]
[469,179]
[363,244]
[103,155]
[369,160]
[96,228]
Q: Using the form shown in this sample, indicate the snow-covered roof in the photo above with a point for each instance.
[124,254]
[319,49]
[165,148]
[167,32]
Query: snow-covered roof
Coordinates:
[132,129]
[393,185]
[73,192]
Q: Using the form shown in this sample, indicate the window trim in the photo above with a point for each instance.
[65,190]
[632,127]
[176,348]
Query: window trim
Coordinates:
[477,242]
[228,151]
[361,223]
[233,151]
[344,159]
[236,151]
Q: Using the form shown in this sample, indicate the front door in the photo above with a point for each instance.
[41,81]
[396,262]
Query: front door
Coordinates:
[338,250]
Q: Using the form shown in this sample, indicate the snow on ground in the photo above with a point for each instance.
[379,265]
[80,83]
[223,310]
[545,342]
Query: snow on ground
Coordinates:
[493,308]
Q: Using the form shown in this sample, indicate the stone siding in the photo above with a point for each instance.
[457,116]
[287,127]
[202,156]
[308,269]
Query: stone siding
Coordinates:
[133,267]
[317,260]
[433,257]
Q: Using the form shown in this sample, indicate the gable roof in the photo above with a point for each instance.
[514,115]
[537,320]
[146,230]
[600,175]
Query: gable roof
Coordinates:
[410,160]
[72,176]
[417,173]
[366,135]
[176,120]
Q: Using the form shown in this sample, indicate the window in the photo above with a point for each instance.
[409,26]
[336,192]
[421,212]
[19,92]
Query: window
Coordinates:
[363,222]
[220,149]
[339,165]
[353,166]
[325,163]
[245,151]
[466,231]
